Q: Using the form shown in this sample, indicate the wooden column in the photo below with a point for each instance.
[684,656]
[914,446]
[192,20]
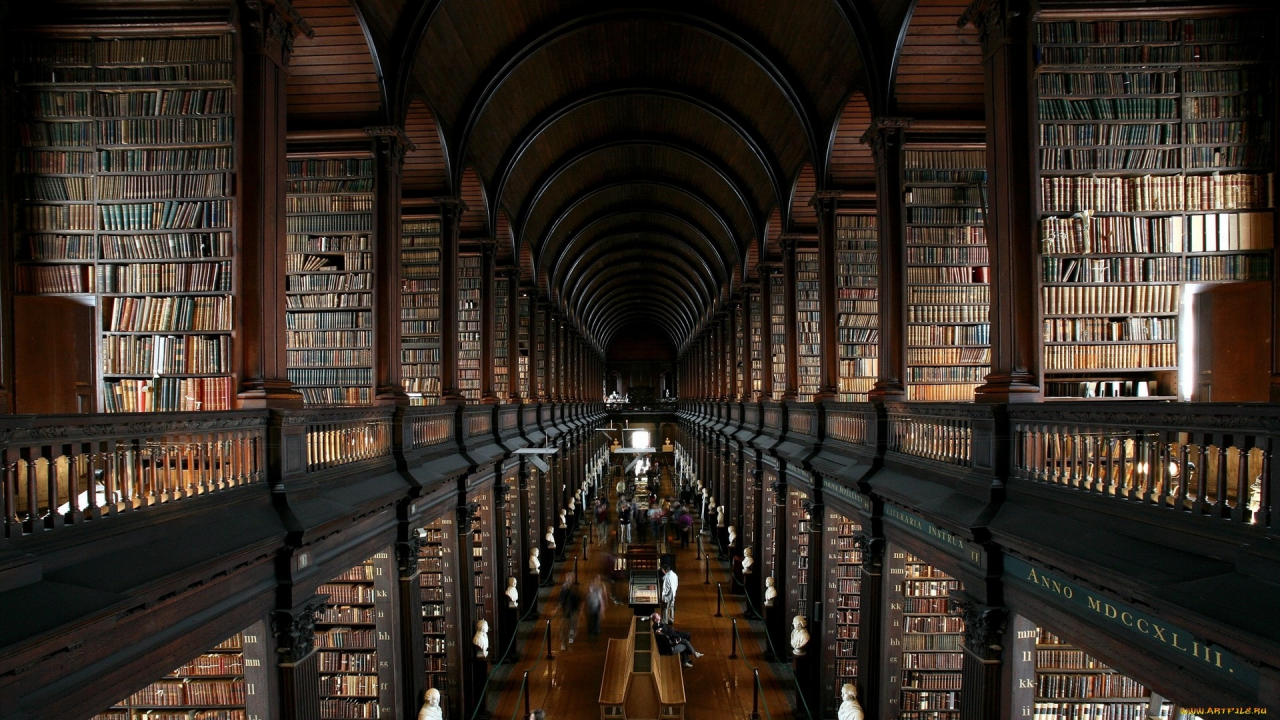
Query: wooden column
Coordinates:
[731,321]
[511,276]
[746,392]
[826,203]
[488,249]
[391,147]
[1015,332]
[451,209]
[789,312]
[537,334]
[268,33]
[984,643]
[766,333]
[412,661]
[716,336]
[870,637]
[297,662]
[549,320]
[885,137]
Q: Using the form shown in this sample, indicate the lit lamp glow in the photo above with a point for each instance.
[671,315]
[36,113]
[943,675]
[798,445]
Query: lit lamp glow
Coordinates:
[640,439]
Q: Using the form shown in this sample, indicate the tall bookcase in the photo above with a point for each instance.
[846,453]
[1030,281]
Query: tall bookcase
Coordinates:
[948,296]
[521,350]
[768,529]
[228,681]
[844,609]
[778,332]
[542,379]
[353,638]
[798,555]
[739,369]
[420,309]
[439,619]
[329,206]
[1156,161]
[808,326]
[126,197]
[757,346]
[469,335]
[858,300]
[482,558]
[928,630]
[501,342]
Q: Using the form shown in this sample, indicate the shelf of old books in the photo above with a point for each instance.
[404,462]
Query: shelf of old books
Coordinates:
[843,608]
[757,345]
[353,641]
[482,556]
[778,332]
[739,368]
[926,652]
[541,381]
[420,309]
[329,280]
[858,300]
[125,203]
[948,296]
[501,344]
[439,619]
[226,683]
[469,335]
[798,555]
[769,525]
[1155,157]
[808,326]
[520,348]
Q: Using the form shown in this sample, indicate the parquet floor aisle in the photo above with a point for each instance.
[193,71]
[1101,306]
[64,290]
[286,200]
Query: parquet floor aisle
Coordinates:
[567,687]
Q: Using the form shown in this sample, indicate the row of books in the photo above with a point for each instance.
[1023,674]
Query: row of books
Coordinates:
[931,701]
[330,223]
[329,243]
[346,614]
[346,637]
[931,681]
[941,393]
[158,160]
[212,664]
[312,339]
[171,214]
[1126,159]
[330,168]
[979,334]
[1085,233]
[1086,686]
[168,314]
[967,235]
[943,375]
[308,187]
[1127,329]
[328,203]
[1106,108]
[299,263]
[347,709]
[347,358]
[1112,300]
[165,131]
[328,282]
[166,693]
[166,355]
[167,394]
[119,75]
[946,215]
[349,685]
[1094,711]
[963,314]
[334,320]
[931,642]
[1075,32]
[1137,356]
[164,277]
[943,275]
[348,662]
[316,301]
[1138,82]
[967,255]
[1101,388]
[931,661]
[1159,193]
[321,377]
[1111,270]
[1109,134]
[336,395]
[1148,54]
[144,50]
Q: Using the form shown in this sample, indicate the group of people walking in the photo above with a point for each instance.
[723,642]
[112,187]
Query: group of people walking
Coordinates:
[640,520]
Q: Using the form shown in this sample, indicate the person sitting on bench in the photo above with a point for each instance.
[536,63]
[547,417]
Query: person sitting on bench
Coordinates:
[671,641]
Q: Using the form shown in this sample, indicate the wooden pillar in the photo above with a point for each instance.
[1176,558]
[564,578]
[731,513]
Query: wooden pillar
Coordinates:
[451,209]
[716,336]
[268,37]
[297,663]
[826,203]
[766,333]
[870,637]
[465,543]
[537,334]
[488,321]
[747,392]
[732,323]
[885,137]
[549,320]
[412,662]
[1015,332]
[511,276]
[981,668]
[792,380]
[391,147]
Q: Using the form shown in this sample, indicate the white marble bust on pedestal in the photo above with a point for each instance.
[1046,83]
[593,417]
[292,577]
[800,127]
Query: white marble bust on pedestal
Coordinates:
[748,562]
[512,593]
[535,565]
[799,635]
[850,709]
[481,639]
[431,706]
[563,523]
[770,592]
[550,537]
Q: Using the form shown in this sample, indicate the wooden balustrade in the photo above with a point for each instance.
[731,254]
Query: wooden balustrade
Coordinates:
[773,418]
[478,423]
[849,424]
[1205,460]
[940,434]
[61,470]
[342,437]
[507,417]
[801,419]
[428,426]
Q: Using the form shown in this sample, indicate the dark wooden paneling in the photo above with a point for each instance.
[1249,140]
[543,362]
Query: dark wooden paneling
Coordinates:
[475,221]
[803,215]
[852,165]
[939,69]
[425,170]
[332,78]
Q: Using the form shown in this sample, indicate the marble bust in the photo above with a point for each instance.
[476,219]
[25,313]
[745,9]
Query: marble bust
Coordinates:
[431,706]
[770,592]
[747,561]
[720,516]
[563,523]
[733,536]
[535,565]
[512,593]
[550,537]
[849,709]
[481,639]
[799,635]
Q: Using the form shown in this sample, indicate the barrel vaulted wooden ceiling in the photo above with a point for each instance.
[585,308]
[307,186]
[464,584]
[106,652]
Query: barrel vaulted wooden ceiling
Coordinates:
[635,159]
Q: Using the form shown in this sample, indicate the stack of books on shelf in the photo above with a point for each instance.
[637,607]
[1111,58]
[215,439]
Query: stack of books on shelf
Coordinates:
[1073,685]
[757,345]
[948,291]
[330,258]
[1156,161]
[931,635]
[501,344]
[124,192]
[435,562]
[778,333]
[420,309]
[808,326]
[469,335]
[858,300]
[347,642]
[209,687]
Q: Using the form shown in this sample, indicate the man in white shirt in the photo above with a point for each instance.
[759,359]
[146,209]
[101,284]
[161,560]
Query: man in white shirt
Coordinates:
[670,582]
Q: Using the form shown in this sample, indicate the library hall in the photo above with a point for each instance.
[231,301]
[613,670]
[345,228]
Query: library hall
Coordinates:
[639,360]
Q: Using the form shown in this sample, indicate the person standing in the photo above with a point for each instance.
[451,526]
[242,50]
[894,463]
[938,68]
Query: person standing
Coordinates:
[595,606]
[670,583]
[570,605]
[624,521]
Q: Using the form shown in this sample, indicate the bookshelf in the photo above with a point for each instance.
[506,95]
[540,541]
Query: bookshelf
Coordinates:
[778,333]
[843,600]
[798,558]
[329,277]
[542,380]
[227,682]
[469,335]
[857,297]
[501,344]
[768,529]
[124,181]
[757,346]
[808,326]
[929,632]
[948,296]
[510,530]
[740,354]
[420,309]
[482,558]
[353,642]
[439,619]
[523,380]
[1155,159]
[1070,684]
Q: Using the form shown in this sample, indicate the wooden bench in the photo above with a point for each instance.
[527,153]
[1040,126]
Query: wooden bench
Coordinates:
[638,683]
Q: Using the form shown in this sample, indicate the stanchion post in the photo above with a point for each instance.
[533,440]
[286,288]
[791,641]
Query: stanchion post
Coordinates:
[755,697]
[575,569]
[733,641]
[550,655]
[524,684]
[586,553]
[699,548]
[706,570]
[719,600]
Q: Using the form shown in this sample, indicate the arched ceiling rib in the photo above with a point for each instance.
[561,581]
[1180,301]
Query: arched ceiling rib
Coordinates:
[635,150]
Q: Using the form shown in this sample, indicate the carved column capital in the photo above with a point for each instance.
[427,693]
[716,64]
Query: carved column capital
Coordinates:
[392,144]
[271,26]
[788,242]
[991,18]
[825,198]
[408,552]
[872,549]
[450,205]
[295,631]
[884,135]
[984,626]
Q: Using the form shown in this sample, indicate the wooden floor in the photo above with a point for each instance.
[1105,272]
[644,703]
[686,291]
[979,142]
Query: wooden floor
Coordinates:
[567,687]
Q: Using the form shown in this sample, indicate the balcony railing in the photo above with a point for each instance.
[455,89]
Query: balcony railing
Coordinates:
[344,436]
[849,424]
[931,432]
[61,470]
[429,427]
